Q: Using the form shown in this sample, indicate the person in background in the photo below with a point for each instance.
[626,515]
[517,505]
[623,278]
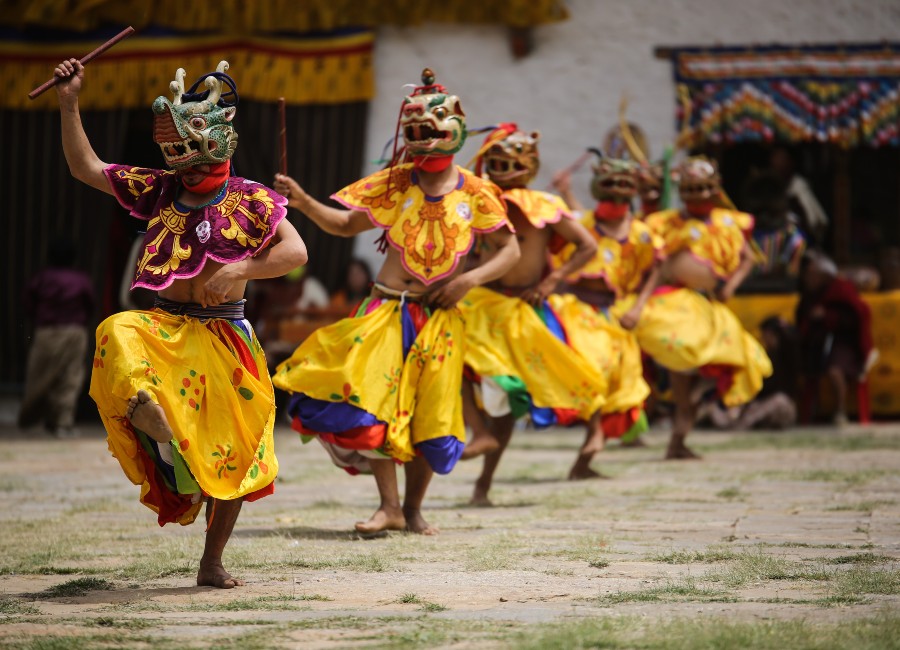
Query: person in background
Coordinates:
[775,406]
[835,329]
[803,202]
[59,300]
[774,231]
[356,285]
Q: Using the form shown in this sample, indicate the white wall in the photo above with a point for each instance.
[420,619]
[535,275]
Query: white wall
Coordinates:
[569,86]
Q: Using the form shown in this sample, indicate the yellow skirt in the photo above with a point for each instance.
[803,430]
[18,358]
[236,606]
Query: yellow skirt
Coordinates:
[684,331]
[211,380]
[506,338]
[385,382]
[611,349]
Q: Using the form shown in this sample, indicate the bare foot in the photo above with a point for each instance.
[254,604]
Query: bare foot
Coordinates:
[383,519]
[679,451]
[149,417]
[213,574]
[415,523]
[480,498]
[584,474]
[479,446]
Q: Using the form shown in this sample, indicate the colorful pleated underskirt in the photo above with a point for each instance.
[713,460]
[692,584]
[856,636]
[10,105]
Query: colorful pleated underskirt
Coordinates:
[594,332]
[683,331]
[210,378]
[519,355]
[384,383]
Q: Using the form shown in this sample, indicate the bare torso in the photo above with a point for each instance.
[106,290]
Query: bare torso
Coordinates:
[682,268]
[533,248]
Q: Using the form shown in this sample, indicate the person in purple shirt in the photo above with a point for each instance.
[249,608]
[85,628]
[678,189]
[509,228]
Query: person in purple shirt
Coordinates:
[59,300]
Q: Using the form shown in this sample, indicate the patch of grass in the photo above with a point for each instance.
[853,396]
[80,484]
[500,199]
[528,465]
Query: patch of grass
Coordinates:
[434,607]
[407,599]
[13,606]
[260,603]
[711,633]
[758,566]
[685,590]
[598,564]
[77,587]
[862,579]
[709,555]
[363,562]
[862,506]
[808,545]
[588,548]
[860,558]
[807,439]
[124,623]
[497,553]
[730,493]
[316,597]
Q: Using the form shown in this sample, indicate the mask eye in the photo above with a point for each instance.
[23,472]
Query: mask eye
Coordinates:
[440,112]
[198,122]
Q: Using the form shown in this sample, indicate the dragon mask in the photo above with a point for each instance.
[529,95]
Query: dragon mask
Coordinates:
[195,128]
[432,121]
[614,180]
[509,156]
[699,185]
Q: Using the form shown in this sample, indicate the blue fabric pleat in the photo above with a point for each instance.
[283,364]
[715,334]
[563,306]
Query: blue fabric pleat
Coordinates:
[441,453]
[332,417]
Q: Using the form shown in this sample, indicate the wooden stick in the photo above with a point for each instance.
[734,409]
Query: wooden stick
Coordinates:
[282,136]
[87,58]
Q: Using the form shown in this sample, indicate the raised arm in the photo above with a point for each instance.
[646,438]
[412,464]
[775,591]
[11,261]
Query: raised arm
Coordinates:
[335,221]
[505,256]
[585,249]
[285,253]
[83,161]
[562,183]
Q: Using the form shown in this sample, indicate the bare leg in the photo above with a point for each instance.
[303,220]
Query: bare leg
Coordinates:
[418,476]
[389,515]
[149,417]
[503,428]
[220,519]
[483,439]
[581,470]
[839,383]
[683,422]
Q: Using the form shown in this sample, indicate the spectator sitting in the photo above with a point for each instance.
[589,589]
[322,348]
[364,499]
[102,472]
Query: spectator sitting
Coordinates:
[777,236]
[835,328]
[356,286]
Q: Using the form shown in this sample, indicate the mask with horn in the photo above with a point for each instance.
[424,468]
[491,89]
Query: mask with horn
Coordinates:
[699,185]
[195,128]
[433,124]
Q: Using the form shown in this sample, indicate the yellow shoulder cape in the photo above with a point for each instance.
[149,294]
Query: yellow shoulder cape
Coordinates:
[432,233]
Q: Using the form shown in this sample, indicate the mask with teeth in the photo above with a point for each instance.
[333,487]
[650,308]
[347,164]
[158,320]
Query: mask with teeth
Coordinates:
[195,129]
[699,185]
[510,156]
[614,180]
[431,121]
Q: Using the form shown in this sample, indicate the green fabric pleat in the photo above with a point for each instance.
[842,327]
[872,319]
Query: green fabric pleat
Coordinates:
[187,484]
[640,426]
[514,387]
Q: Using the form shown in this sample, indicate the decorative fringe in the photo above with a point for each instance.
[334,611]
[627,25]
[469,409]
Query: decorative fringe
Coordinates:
[302,70]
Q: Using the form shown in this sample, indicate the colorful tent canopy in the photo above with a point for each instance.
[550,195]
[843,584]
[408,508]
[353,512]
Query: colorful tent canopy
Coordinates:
[847,95]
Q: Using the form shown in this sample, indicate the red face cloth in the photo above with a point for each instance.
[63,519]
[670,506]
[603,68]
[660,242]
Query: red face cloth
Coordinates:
[611,210]
[212,180]
[432,163]
[700,208]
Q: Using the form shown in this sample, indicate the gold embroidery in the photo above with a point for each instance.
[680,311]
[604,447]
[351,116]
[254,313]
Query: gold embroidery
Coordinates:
[232,203]
[439,243]
[137,183]
[173,223]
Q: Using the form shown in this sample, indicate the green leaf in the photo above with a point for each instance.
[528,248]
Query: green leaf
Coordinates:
[246,393]
[354,399]
[254,471]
